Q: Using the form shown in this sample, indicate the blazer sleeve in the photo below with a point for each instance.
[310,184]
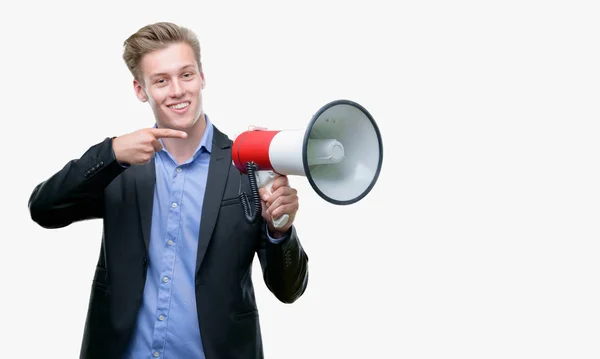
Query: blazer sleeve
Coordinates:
[76,192]
[284,265]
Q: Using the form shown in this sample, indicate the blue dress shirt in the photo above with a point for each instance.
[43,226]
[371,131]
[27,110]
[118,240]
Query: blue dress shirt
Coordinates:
[167,323]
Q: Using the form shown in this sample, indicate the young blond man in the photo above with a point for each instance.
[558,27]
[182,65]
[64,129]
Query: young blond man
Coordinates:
[173,278]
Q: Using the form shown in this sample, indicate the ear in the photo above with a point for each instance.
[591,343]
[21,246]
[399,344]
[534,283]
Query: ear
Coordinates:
[203,79]
[139,91]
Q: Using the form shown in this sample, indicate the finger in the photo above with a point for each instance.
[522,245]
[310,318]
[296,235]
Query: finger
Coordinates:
[167,133]
[263,210]
[263,193]
[282,201]
[281,192]
[157,145]
[289,209]
[279,182]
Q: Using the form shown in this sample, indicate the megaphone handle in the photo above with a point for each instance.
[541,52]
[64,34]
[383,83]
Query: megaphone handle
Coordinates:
[265,179]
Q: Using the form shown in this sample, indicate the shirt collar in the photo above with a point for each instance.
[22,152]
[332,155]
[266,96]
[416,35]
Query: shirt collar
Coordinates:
[207,137]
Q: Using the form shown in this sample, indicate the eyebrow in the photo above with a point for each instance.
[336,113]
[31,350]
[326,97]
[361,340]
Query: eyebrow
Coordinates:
[158,74]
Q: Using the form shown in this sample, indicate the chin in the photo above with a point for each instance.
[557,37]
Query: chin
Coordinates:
[179,124]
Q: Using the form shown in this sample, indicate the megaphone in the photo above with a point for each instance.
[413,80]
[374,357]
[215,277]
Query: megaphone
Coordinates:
[340,152]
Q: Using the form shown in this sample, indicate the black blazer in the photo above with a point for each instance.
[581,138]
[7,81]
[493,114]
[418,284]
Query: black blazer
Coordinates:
[97,186]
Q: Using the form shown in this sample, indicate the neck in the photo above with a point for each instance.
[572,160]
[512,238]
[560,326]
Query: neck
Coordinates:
[183,149]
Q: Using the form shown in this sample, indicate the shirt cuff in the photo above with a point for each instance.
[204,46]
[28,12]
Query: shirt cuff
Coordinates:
[275,240]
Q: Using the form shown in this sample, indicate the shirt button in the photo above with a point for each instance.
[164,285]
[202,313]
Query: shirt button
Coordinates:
[156,354]
[161,317]
[178,169]
[174,205]
[170,242]
[165,279]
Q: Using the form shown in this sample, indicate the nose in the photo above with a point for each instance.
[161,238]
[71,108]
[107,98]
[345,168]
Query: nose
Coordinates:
[176,89]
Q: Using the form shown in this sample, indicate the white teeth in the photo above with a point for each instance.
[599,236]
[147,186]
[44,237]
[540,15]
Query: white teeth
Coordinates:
[179,106]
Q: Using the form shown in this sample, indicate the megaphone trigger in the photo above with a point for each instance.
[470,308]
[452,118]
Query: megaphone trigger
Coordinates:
[265,179]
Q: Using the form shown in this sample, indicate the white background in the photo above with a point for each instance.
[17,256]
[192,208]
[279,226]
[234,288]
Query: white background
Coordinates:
[480,239]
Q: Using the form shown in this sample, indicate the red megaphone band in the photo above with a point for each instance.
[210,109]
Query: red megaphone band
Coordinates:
[253,146]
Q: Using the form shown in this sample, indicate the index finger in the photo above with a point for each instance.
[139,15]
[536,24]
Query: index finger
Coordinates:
[167,133]
[280,181]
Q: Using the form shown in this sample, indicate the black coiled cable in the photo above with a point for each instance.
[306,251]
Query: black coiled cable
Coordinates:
[251,213]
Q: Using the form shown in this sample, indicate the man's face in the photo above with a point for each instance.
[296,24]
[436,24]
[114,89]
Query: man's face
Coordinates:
[172,85]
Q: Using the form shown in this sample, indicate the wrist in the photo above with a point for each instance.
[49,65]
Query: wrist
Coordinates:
[116,152]
[276,234]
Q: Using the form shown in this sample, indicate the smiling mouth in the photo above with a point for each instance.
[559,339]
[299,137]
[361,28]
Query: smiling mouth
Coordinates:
[180,106]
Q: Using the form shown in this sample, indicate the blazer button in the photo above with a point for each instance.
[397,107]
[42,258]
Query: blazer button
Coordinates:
[145,261]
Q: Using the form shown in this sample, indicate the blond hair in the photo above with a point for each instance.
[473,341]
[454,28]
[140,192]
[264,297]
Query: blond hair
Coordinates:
[153,37]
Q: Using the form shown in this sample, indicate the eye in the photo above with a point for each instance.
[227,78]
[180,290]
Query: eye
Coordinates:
[188,75]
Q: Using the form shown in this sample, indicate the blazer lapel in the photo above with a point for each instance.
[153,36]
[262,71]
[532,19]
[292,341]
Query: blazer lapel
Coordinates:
[218,171]
[145,180]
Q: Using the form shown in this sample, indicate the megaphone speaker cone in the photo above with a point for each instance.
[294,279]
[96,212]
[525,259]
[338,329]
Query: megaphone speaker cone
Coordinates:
[351,138]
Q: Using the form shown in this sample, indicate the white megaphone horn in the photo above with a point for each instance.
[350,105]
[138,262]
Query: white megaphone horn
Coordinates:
[340,152]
